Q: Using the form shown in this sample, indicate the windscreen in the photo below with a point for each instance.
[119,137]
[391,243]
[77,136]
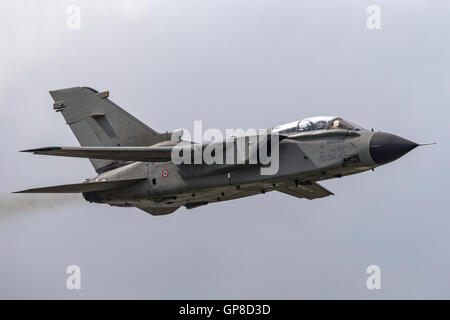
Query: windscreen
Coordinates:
[314,124]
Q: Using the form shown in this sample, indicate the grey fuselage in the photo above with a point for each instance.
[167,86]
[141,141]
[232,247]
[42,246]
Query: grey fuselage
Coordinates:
[300,162]
[138,166]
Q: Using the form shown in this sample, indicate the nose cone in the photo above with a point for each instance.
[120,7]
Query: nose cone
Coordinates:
[386,147]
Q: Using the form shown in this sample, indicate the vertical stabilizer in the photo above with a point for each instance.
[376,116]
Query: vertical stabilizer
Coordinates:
[97,121]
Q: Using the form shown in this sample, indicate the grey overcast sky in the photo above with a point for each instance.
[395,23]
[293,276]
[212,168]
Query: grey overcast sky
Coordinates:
[232,64]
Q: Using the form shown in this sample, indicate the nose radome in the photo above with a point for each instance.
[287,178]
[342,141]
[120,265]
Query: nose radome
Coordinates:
[386,147]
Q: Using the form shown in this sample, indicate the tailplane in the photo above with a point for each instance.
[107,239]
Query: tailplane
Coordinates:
[84,187]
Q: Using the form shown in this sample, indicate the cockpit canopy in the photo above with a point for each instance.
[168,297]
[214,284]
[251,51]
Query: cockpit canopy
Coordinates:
[315,123]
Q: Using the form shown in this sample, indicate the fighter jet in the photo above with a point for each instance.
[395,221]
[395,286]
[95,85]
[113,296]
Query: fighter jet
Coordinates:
[136,165]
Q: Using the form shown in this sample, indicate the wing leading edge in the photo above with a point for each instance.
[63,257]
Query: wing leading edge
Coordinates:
[147,154]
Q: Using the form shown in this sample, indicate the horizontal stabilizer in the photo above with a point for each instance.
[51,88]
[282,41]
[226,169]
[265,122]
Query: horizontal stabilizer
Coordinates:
[145,154]
[308,191]
[84,187]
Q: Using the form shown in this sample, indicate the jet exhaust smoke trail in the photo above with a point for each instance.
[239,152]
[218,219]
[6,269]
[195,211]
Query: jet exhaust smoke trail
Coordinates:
[13,204]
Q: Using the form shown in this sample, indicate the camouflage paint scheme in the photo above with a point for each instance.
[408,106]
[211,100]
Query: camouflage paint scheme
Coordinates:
[135,169]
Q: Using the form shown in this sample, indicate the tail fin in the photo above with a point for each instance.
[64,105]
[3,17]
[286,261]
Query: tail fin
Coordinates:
[97,121]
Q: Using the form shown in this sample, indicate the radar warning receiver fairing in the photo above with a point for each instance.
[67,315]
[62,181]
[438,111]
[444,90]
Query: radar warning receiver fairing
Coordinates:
[136,168]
